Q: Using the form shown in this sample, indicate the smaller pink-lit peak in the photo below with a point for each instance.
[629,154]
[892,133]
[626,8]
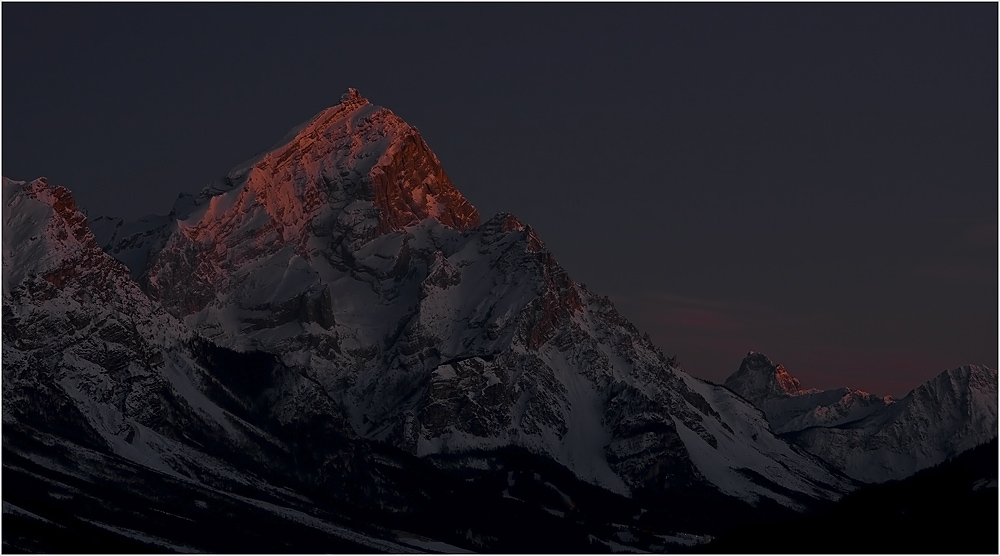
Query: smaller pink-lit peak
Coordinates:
[57,197]
[758,374]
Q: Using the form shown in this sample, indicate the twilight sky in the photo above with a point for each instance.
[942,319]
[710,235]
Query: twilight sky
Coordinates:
[815,182]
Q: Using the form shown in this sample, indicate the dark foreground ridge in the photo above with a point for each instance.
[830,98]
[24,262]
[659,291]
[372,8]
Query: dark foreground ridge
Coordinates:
[948,509]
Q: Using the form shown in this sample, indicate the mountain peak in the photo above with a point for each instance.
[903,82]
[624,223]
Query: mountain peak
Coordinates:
[47,237]
[759,377]
[967,378]
[788,407]
[352,151]
[50,210]
[347,176]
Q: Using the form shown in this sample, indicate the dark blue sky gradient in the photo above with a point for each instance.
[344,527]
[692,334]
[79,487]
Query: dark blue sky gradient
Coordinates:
[817,182]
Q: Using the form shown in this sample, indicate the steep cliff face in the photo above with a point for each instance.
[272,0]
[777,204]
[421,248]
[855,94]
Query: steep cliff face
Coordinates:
[874,438]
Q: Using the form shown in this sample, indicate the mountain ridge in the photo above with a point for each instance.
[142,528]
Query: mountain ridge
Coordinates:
[437,334]
[876,438]
[334,308]
[180,409]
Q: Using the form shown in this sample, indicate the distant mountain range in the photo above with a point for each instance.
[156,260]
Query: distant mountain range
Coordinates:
[875,438]
[329,344]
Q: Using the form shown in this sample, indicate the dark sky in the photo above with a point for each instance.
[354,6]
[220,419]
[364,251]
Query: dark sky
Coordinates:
[816,182]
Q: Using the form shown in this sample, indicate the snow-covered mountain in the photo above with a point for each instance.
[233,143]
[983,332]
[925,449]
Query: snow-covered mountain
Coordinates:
[331,331]
[875,438]
[77,329]
[90,359]
[347,251]
[117,418]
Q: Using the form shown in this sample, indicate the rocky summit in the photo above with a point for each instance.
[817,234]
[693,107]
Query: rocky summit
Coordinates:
[327,349]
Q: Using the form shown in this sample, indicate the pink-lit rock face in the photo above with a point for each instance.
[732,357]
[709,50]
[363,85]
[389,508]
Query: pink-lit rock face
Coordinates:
[358,151]
[757,378]
[354,172]
[70,309]
[54,241]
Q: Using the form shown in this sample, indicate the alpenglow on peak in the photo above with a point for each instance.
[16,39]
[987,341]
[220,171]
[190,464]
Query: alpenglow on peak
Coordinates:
[350,174]
[356,151]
